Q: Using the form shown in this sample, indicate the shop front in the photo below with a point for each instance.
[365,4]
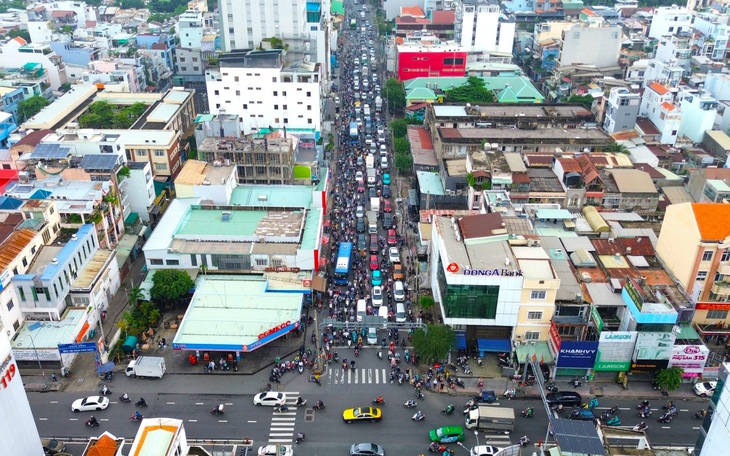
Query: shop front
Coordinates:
[615,349]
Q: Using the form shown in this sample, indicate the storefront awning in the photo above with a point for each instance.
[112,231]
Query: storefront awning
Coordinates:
[540,350]
[460,343]
[494,345]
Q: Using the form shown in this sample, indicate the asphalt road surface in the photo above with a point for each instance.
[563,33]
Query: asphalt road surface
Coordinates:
[192,397]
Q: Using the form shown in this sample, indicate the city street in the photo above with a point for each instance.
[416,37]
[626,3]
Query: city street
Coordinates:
[326,433]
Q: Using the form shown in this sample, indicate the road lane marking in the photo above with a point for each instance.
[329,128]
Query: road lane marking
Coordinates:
[666,427]
[54,402]
[170,403]
[103,419]
[281,434]
[222,421]
[228,403]
[42,419]
[73,419]
[192,421]
[684,410]
[200,403]
[252,421]
[377,376]
[280,440]
[696,428]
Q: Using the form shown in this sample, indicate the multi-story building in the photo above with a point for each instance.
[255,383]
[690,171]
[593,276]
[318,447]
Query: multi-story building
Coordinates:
[414,20]
[622,110]
[427,56]
[694,245]
[480,26]
[677,50]
[137,190]
[715,431]
[16,53]
[266,92]
[699,110]
[714,30]
[258,160]
[579,43]
[670,20]
[488,290]
[709,185]
[657,105]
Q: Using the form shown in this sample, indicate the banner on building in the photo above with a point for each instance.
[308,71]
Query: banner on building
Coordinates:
[580,355]
[690,358]
[648,366]
[654,345]
[615,349]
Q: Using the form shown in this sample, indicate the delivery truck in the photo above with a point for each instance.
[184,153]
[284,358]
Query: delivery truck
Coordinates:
[370,162]
[378,104]
[146,367]
[372,222]
[371,177]
[375,204]
[487,417]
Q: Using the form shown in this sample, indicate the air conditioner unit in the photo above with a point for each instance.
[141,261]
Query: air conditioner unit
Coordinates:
[459,192]
[533,243]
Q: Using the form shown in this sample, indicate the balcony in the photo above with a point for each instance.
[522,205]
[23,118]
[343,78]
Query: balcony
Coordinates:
[721,288]
[724,269]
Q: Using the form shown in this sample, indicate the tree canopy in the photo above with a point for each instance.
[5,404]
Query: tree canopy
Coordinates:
[30,107]
[580,99]
[395,94]
[399,128]
[435,344]
[138,318]
[103,115]
[670,379]
[474,91]
[170,284]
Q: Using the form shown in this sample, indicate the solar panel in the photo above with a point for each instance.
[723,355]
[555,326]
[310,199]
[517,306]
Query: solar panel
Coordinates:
[50,151]
[104,162]
[580,437]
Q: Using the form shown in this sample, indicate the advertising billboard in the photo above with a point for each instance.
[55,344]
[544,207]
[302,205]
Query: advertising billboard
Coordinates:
[580,355]
[648,366]
[690,358]
[654,345]
[615,349]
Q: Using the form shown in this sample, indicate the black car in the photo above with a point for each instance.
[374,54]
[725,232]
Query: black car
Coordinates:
[387,221]
[567,398]
[360,225]
[386,191]
[372,193]
[362,242]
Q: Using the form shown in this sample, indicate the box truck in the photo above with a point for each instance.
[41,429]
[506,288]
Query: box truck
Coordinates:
[146,367]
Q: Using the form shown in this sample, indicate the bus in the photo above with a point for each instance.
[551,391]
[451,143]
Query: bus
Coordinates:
[353,24]
[354,133]
[342,267]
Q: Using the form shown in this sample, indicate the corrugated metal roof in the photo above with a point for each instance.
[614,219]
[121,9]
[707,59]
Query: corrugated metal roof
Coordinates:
[12,247]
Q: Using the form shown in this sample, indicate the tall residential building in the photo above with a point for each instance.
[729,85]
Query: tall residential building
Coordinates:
[621,110]
[264,91]
[580,42]
[715,429]
[670,20]
[245,23]
[480,26]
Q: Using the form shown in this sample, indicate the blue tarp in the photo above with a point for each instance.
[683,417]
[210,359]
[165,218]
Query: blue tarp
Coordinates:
[460,343]
[494,345]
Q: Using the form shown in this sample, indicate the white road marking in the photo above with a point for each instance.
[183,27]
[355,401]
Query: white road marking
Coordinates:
[666,427]
[42,419]
[200,403]
[54,402]
[228,403]
[252,421]
[170,403]
[193,421]
[684,410]
[696,428]
[222,421]
[280,440]
[282,434]
[73,419]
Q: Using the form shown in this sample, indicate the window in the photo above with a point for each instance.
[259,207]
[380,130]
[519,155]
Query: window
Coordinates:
[707,255]
[173,262]
[238,93]
[273,79]
[235,78]
[261,262]
[276,93]
[309,107]
[156,261]
[21,292]
[25,262]
[716,314]
[193,259]
[160,166]
[216,92]
[309,94]
[534,315]
[10,304]
[702,275]
[284,107]
[532,335]
[159,153]
[141,153]
[245,106]
[725,255]
[276,107]
[537,295]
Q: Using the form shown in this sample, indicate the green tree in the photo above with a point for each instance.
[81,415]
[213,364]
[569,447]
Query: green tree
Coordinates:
[170,284]
[135,296]
[30,107]
[395,95]
[403,162]
[433,345]
[580,99]
[402,146]
[399,127]
[617,148]
[129,4]
[426,302]
[21,33]
[670,379]
[139,318]
[474,91]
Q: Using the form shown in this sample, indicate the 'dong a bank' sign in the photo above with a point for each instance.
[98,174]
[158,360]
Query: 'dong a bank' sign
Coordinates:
[455,268]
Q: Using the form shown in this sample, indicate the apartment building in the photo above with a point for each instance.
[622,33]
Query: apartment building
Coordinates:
[579,43]
[480,26]
[258,160]
[670,20]
[622,109]
[266,92]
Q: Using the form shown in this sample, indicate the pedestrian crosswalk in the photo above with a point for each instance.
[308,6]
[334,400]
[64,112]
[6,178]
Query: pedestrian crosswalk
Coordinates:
[357,376]
[496,439]
[283,423]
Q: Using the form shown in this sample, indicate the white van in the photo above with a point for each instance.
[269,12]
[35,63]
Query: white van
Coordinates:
[400,313]
[399,293]
[361,309]
[383,312]
[384,162]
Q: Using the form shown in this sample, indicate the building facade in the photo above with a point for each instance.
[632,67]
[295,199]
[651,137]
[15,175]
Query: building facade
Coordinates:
[715,430]
[418,60]
[621,110]
[480,26]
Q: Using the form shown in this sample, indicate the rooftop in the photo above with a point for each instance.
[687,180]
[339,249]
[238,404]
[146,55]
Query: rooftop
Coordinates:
[50,333]
[197,172]
[713,220]
[633,181]
[91,272]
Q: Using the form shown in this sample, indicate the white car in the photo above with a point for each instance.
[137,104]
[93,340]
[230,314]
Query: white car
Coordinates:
[359,212]
[377,296]
[372,336]
[705,389]
[90,403]
[271,398]
[393,255]
[484,450]
[270,450]
[358,176]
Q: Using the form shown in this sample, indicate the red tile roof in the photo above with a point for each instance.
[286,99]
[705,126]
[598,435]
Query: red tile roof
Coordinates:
[443,17]
[570,165]
[650,170]
[20,41]
[658,88]
[63,13]
[668,106]
[33,139]
[713,220]
[104,446]
[640,246]
[414,11]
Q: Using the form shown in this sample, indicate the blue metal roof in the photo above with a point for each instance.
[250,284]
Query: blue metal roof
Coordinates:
[313,7]
[9,203]
[40,194]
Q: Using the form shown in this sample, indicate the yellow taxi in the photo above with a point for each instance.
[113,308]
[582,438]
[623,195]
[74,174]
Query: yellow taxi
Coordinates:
[371,414]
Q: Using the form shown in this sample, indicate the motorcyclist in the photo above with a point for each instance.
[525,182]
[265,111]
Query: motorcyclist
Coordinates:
[141,402]
[137,415]
[449,408]
[300,401]
[104,390]
[93,421]
[125,397]
[319,404]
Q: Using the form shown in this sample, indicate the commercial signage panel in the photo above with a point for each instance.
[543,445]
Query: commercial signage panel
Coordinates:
[554,341]
[690,358]
[654,345]
[615,349]
[580,355]
[713,306]
[648,366]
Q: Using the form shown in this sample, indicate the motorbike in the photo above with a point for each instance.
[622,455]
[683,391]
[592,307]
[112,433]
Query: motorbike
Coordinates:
[666,418]
[300,437]
[380,354]
[449,410]
[418,416]
[125,399]
[700,414]
[460,383]
[104,391]
[510,393]
[357,352]
[668,405]
[140,403]
[673,411]
[527,413]
[613,421]
[378,401]
[281,409]
[646,413]
[301,402]
[524,441]
[557,408]
[92,422]
[300,367]
[643,405]
[436,447]
[577,383]
[641,427]
[410,403]
[218,410]
[318,406]
[614,410]
[136,417]
[551,387]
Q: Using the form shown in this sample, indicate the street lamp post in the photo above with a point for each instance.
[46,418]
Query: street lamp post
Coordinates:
[31,328]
